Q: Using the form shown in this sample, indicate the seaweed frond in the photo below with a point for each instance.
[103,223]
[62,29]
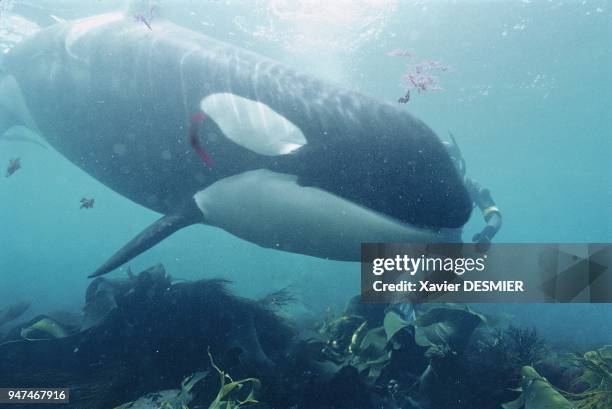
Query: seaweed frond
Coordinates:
[525,345]
[227,397]
[278,299]
[595,379]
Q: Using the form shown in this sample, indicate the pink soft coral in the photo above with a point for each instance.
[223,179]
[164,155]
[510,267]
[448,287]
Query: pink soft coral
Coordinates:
[418,75]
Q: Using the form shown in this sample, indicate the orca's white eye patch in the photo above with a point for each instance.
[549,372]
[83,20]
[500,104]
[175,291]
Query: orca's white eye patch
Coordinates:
[253,125]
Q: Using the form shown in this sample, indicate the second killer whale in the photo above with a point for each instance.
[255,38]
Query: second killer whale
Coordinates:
[298,164]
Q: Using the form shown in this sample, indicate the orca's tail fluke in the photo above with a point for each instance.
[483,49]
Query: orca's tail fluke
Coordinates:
[146,239]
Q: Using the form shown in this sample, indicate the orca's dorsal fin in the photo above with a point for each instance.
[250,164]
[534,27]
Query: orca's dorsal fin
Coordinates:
[146,239]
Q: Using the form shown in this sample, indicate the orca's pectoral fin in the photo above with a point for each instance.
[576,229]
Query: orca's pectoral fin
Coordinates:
[146,239]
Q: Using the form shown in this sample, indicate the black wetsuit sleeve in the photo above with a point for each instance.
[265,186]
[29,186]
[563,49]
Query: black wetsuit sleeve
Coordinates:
[491,213]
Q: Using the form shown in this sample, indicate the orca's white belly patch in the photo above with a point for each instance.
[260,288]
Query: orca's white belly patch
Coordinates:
[270,209]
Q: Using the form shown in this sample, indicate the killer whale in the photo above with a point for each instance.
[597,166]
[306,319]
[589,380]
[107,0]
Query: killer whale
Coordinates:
[300,164]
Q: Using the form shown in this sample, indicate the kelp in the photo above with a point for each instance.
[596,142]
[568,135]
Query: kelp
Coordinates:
[229,393]
[595,378]
[13,311]
[168,399]
[278,299]
[44,328]
[524,345]
[340,331]
[367,349]
[393,324]
[370,354]
[446,327]
[370,350]
[537,393]
[491,364]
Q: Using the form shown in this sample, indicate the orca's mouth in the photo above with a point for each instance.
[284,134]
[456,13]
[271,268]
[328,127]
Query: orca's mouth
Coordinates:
[253,124]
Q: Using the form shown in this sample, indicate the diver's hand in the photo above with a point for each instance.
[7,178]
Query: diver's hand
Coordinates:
[481,238]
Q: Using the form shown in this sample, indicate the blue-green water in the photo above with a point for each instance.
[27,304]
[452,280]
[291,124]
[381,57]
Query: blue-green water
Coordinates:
[528,96]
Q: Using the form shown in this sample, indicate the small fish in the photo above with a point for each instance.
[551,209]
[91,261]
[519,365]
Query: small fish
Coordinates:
[130,274]
[196,120]
[142,18]
[405,98]
[147,21]
[87,203]
[13,166]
